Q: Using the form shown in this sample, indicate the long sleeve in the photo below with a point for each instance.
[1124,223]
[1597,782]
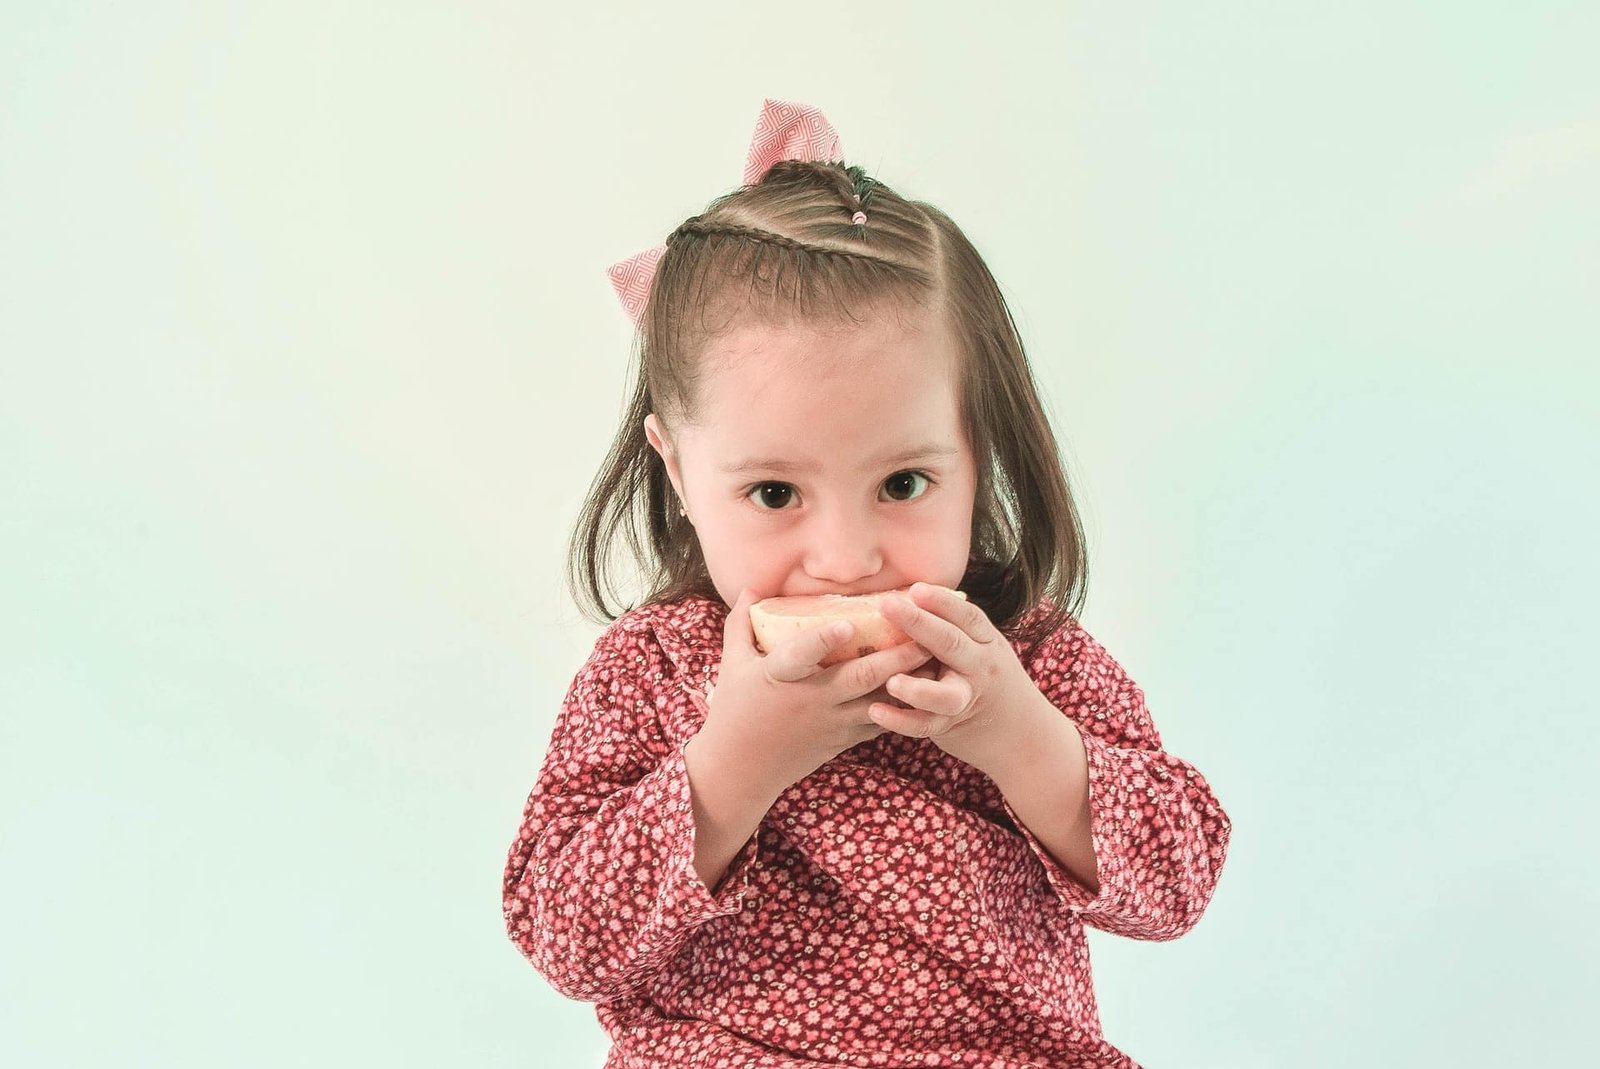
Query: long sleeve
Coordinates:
[600,890]
[1160,836]
[885,912]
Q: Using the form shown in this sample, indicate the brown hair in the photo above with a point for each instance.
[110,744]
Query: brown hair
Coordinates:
[783,249]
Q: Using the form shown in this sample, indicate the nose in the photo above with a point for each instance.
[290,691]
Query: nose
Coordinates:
[843,546]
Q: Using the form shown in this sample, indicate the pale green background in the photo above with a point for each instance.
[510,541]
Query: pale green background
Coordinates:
[309,355]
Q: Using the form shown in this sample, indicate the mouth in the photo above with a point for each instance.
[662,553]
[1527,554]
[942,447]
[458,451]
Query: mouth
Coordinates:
[852,592]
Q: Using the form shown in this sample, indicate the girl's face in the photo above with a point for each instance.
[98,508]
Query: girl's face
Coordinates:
[827,461]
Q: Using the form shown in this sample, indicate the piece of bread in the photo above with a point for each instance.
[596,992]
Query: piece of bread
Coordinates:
[775,619]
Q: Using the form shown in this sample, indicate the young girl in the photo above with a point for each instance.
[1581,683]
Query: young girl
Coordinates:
[746,860]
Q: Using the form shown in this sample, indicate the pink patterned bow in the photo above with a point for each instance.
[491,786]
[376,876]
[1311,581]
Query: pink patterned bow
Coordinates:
[785,130]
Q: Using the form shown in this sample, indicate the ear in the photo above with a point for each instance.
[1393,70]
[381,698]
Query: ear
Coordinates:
[656,432]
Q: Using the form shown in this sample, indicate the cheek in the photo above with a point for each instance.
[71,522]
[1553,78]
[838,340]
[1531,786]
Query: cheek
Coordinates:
[732,547]
[947,523]
[943,544]
[936,544]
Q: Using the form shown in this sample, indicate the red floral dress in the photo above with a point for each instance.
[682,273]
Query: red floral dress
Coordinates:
[890,910]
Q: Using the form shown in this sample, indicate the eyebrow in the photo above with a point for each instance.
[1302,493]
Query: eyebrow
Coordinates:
[755,464]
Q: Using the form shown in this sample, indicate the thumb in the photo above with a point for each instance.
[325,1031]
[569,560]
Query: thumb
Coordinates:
[737,633]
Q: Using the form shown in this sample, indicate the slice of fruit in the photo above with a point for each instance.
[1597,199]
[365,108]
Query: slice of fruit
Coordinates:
[775,619]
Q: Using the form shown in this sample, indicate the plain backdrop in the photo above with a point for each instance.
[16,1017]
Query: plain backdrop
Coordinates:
[308,356]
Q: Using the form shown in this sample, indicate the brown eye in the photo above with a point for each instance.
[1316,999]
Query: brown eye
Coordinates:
[905,482]
[773,496]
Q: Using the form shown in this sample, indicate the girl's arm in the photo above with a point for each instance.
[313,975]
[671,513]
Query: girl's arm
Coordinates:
[605,881]
[1047,788]
[1159,836]
[727,809]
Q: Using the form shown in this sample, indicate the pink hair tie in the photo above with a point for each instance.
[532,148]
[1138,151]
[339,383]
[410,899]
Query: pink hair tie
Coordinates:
[785,130]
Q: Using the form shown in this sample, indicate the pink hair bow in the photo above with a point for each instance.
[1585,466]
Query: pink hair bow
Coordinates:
[785,130]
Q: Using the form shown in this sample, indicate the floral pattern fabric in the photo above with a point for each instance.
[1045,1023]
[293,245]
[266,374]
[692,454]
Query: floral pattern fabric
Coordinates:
[890,910]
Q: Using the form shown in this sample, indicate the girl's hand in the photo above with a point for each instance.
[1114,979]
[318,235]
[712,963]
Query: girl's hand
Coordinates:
[781,715]
[982,706]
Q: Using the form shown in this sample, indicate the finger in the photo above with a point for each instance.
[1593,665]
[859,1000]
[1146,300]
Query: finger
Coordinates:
[866,674]
[800,656]
[910,722]
[947,697]
[954,606]
[947,641]
[737,633]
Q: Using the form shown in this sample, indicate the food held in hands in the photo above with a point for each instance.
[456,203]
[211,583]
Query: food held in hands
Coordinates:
[775,619]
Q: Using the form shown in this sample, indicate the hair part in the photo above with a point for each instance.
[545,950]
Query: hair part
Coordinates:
[781,252]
